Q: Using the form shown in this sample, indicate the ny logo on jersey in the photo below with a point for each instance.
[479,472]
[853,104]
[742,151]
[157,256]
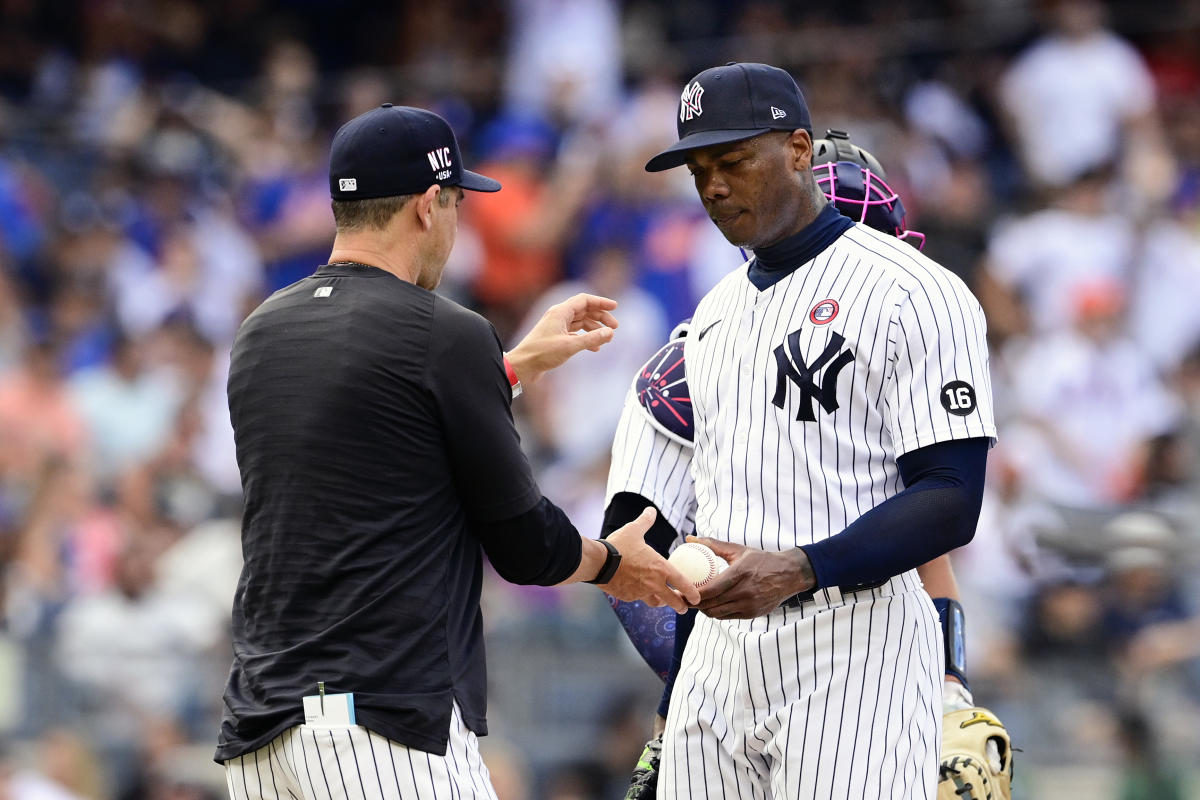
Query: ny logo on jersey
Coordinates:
[804,375]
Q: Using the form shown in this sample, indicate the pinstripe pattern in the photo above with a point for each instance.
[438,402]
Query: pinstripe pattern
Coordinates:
[748,723]
[764,479]
[647,462]
[781,706]
[352,763]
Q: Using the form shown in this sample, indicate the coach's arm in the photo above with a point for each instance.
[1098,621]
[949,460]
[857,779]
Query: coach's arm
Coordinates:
[936,512]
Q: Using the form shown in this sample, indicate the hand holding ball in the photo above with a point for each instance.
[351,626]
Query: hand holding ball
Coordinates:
[698,563]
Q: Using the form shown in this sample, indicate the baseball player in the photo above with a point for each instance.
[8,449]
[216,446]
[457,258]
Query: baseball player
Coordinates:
[379,462]
[842,415]
[653,448]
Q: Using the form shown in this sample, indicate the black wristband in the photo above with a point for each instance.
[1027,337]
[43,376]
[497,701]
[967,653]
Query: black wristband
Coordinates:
[611,562]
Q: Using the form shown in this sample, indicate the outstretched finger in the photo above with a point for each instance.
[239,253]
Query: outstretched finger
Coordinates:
[636,528]
[726,550]
[589,340]
[726,611]
[642,522]
[672,599]
[683,586]
[585,305]
[600,316]
[596,302]
[679,602]
[584,325]
[720,585]
[588,305]
[722,591]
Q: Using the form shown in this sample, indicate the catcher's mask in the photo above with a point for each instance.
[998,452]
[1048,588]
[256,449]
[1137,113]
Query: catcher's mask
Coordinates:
[855,182]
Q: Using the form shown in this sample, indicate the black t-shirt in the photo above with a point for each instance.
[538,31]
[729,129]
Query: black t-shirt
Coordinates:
[373,426]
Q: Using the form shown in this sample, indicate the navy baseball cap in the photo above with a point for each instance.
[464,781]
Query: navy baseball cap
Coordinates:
[397,150]
[732,103]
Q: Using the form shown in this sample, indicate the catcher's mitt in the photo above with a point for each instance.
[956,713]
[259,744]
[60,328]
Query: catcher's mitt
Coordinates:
[976,757]
[644,783]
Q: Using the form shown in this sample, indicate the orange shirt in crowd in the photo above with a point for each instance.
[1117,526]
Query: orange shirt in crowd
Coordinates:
[36,421]
[517,263]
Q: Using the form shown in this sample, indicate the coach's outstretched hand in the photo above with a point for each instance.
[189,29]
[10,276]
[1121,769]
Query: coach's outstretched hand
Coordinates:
[582,322]
[756,582]
[644,574]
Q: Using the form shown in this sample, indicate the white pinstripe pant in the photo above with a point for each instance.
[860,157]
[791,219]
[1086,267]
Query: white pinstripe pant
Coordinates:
[815,703]
[352,763]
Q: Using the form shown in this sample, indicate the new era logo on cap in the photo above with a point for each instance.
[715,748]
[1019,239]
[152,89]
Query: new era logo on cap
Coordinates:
[348,184]
[777,113]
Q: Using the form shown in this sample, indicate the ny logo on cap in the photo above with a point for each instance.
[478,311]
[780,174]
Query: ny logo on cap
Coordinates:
[689,102]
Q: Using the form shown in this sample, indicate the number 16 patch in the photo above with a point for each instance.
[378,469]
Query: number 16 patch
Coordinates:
[958,397]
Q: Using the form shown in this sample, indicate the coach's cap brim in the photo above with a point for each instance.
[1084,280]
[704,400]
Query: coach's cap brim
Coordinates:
[676,154]
[478,183]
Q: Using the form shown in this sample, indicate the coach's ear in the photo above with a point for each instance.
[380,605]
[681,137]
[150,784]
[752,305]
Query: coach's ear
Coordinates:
[424,206]
[802,149]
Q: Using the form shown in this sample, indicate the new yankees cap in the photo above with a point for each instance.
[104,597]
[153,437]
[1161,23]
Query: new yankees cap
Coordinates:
[731,103]
[397,150]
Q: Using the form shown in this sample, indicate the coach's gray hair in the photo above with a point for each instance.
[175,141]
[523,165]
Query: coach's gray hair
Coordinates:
[374,213]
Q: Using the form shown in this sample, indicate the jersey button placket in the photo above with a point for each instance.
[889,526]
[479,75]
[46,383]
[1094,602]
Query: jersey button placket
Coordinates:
[745,349]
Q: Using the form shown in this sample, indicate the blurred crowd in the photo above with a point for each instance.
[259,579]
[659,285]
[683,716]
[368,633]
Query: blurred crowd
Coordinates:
[163,169]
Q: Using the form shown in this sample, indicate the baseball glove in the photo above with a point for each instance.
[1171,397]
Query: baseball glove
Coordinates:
[644,783]
[976,757]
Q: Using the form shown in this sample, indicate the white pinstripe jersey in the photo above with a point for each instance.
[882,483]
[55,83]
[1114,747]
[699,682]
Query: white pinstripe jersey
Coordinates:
[805,393]
[648,462]
[310,762]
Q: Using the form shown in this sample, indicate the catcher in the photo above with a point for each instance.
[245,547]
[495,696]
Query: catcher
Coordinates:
[651,457]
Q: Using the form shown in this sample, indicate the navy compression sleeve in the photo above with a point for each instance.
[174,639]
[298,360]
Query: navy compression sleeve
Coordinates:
[539,547]
[651,631]
[935,513]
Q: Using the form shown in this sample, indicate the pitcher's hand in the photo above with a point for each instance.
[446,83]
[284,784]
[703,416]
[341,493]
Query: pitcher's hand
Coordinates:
[756,582]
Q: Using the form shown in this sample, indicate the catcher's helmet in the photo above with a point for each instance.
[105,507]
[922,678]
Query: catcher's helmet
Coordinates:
[855,182]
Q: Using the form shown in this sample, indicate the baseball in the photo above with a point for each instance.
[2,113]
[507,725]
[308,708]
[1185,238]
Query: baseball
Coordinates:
[697,562]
